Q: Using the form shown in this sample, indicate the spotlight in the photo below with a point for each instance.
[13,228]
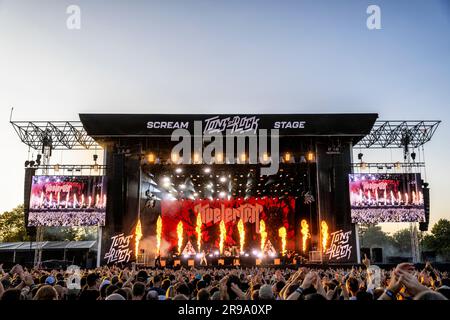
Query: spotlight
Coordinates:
[223,179]
[207,170]
[310,156]
[219,158]
[178,170]
[151,157]
[174,157]
[243,158]
[182,186]
[196,158]
[222,194]
[287,157]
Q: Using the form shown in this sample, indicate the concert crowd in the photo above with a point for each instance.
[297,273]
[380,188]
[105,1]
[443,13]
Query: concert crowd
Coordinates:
[404,282]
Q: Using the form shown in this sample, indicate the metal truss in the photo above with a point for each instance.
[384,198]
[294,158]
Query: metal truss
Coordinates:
[70,135]
[71,169]
[59,135]
[398,134]
[388,165]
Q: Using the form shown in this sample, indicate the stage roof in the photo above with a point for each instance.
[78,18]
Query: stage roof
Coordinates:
[93,129]
[145,125]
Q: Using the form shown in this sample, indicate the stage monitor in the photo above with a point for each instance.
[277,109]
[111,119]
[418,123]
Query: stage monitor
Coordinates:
[386,197]
[57,201]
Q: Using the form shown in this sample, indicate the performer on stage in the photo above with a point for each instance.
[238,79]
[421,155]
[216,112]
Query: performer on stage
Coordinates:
[203,261]
[158,261]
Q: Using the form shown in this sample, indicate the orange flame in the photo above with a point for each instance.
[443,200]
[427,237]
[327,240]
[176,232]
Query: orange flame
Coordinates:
[180,236]
[198,229]
[282,234]
[137,236]
[305,234]
[263,233]
[223,234]
[241,230]
[324,232]
[158,235]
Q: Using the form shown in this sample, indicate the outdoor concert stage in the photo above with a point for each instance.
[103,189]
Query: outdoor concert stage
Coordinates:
[228,194]
[256,187]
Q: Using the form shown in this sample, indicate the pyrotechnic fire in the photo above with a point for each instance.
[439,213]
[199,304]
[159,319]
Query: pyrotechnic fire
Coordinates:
[282,234]
[263,233]
[241,230]
[137,236]
[41,200]
[198,229]
[158,235]
[180,236]
[324,231]
[223,234]
[97,200]
[67,200]
[305,234]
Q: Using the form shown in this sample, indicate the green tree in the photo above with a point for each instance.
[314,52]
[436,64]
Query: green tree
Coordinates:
[439,239]
[70,233]
[12,225]
[401,240]
[373,236]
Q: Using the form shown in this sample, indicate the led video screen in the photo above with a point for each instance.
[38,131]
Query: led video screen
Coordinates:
[377,198]
[57,201]
[267,213]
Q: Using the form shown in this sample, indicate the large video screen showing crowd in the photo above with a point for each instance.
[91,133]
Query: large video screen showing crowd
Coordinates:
[377,198]
[57,201]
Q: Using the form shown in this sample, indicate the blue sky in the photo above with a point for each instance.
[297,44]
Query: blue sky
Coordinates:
[225,56]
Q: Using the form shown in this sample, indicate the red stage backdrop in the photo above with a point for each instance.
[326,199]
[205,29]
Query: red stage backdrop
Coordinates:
[274,211]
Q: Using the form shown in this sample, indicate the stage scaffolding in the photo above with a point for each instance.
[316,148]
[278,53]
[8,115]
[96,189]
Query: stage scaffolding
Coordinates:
[70,135]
